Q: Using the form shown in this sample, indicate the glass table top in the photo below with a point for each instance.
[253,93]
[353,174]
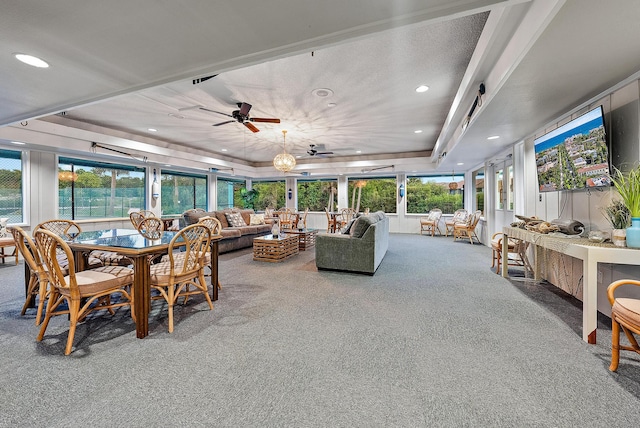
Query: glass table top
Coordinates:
[123,238]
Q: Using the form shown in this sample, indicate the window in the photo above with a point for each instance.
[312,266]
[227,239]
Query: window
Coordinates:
[510,188]
[315,194]
[181,192]
[229,193]
[11,186]
[271,194]
[375,193]
[478,179]
[89,189]
[499,190]
[445,192]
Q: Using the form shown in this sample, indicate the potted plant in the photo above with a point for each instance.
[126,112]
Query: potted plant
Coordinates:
[618,216]
[628,186]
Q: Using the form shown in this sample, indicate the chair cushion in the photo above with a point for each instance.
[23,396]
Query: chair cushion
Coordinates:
[626,308]
[103,278]
[109,258]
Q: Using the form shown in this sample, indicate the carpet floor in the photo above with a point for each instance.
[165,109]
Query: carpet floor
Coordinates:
[434,338]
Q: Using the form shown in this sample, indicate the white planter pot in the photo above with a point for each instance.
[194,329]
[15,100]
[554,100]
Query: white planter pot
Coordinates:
[619,237]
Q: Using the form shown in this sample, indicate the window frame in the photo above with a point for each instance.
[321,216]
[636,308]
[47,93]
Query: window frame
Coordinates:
[194,194]
[441,180]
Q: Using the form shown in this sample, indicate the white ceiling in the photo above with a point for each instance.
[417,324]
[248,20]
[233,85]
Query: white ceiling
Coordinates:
[119,68]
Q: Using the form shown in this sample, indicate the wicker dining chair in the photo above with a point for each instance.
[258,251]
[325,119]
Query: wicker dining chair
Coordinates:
[183,276]
[67,230]
[84,291]
[625,313]
[151,228]
[38,279]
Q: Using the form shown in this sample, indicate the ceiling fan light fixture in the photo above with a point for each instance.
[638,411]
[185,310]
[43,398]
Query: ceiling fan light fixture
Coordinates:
[284,161]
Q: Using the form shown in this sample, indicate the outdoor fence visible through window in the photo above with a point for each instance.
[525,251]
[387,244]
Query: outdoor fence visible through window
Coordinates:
[11,186]
[89,189]
[181,191]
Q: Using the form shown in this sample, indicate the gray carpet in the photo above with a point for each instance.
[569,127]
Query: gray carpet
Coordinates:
[435,338]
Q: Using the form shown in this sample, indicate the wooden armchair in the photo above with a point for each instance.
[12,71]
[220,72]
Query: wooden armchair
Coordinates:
[625,313]
[467,229]
[286,218]
[174,278]
[516,255]
[430,223]
[459,216]
[84,291]
[151,228]
[67,230]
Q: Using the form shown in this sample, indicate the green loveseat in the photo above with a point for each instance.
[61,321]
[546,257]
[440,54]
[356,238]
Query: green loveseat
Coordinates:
[361,249]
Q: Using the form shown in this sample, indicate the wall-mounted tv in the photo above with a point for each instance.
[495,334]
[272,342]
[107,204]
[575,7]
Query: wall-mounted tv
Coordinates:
[575,155]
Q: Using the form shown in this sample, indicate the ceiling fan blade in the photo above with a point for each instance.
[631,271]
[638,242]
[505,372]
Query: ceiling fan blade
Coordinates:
[213,111]
[251,126]
[324,153]
[260,119]
[223,123]
[244,109]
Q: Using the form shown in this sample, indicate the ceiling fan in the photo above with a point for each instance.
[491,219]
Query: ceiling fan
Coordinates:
[242,116]
[313,151]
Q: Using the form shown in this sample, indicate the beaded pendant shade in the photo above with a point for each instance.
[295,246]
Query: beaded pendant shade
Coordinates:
[284,161]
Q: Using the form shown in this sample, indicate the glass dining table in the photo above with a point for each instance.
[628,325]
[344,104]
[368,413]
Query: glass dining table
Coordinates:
[130,243]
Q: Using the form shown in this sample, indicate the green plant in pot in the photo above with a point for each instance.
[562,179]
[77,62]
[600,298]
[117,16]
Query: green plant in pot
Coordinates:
[619,217]
[628,186]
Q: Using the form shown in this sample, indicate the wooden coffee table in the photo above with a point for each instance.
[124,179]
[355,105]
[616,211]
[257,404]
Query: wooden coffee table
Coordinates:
[306,237]
[269,249]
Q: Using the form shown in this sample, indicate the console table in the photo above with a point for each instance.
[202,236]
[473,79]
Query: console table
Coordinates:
[581,248]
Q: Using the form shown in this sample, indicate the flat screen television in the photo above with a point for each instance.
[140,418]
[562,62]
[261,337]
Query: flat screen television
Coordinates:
[575,155]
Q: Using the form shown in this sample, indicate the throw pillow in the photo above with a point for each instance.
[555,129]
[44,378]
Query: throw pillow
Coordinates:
[256,219]
[361,225]
[235,220]
[3,227]
[348,229]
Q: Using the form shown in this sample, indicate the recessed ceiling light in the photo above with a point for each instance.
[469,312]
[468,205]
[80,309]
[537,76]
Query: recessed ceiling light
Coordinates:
[31,60]
[153,130]
[322,92]
[417,131]
[332,105]
[422,88]
[223,150]
[358,151]
[298,156]
[493,137]
[177,116]
[19,143]
[460,163]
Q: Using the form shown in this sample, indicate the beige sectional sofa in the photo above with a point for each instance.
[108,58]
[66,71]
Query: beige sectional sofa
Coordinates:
[233,237]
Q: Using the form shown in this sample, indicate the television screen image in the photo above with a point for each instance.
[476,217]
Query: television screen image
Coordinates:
[575,155]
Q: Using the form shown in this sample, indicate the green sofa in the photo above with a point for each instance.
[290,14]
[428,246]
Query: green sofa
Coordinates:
[360,249]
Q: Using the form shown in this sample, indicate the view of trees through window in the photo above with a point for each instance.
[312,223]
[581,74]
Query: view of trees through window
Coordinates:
[11,186]
[229,193]
[270,194]
[89,189]
[427,192]
[315,194]
[180,192]
[374,193]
